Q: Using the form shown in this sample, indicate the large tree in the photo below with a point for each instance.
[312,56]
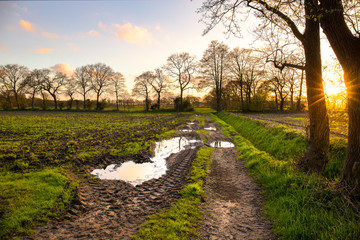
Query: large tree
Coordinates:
[53,83]
[13,77]
[294,17]
[100,76]
[142,87]
[345,42]
[215,68]
[182,67]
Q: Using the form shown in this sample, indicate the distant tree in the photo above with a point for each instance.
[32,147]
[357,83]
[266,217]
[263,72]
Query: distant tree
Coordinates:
[159,84]
[182,67]
[142,87]
[82,78]
[70,90]
[13,77]
[118,82]
[34,83]
[100,77]
[215,68]
[52,84]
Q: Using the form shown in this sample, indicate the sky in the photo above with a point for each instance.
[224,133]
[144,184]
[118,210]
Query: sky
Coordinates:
[131,36]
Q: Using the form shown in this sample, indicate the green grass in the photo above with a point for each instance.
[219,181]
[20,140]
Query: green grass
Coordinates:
[31,198]
[180,220]
[300,206]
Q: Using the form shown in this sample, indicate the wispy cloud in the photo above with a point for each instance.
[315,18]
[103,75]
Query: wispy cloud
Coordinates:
[133,34]
[42,50]
[63,68]
[50,35]
[93,33]
[72,46]
[27,26]
[101,26]
[3,48]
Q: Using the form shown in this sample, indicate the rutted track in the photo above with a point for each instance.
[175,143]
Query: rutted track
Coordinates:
[108,209]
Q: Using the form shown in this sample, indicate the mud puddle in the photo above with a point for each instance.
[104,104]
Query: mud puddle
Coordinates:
[222,144]
[136,174]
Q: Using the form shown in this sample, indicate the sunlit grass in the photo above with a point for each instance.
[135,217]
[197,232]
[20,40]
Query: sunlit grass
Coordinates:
[31,198]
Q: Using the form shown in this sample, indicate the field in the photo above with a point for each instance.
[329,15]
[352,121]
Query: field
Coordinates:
[59,148]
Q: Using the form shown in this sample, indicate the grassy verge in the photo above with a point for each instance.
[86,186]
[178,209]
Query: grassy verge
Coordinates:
[300,206]
[31,198]
[179,221]
[285,144]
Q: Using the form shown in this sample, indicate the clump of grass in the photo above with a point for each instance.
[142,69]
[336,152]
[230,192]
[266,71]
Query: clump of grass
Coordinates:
[300,206]
[180,220]
[32,198]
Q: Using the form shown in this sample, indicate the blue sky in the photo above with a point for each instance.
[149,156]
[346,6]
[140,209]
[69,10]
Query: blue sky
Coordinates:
[130,36]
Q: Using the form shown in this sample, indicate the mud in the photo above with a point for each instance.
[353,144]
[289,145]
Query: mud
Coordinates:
[108,209]
[233,204]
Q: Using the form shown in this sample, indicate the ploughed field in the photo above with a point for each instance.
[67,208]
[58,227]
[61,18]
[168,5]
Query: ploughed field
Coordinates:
[46,158]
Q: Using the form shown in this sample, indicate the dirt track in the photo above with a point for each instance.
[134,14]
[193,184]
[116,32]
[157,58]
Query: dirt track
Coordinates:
[107,209]
[233,205]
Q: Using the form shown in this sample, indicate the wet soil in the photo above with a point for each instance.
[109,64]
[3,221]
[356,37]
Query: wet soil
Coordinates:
[233,204]
[108,209]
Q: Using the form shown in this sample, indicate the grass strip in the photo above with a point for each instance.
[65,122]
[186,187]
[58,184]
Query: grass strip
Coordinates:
[300,206]
[180,220]
[31,198]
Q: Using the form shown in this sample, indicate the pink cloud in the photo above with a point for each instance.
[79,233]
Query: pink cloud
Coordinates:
[101,26]
[49,35]
[93,33]
[63,68]
[44,50]
[27,26]
[3,48]
[133,34]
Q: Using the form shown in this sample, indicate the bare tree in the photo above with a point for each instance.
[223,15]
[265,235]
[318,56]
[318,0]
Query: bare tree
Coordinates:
[159,84]
[214,68]
[34,82]
[293,17]
[52,84]
[82,78]
[344,37]
[100,77]
[142,87]
[70,90]
[118,82]
[182,67]
[13,78]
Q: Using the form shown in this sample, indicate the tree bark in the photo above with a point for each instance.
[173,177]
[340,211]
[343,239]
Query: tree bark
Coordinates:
[316,157]
[158,101]
[84,101]
[298,106]
[347,49]
[55,102]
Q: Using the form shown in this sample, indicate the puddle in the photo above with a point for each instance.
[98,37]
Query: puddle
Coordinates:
[136,174]
[210,129]
[222,144]
[190,123]
[185,130]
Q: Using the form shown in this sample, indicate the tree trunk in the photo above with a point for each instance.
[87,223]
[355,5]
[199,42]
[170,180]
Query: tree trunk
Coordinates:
[181,97]
[97,101]
[158,101]
[316,157]
[55,102]
[84,101]
[147,102]
[241,92]
[17,100]
[32,100]
[117,102]
[298,105]
[276,101]
[347,49]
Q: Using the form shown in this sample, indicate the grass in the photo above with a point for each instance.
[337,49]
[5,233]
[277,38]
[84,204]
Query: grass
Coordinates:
[32,198]
[300,206]
[180,220]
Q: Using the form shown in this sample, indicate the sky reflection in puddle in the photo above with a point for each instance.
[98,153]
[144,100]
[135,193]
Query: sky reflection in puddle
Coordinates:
[222,144]
[138,173]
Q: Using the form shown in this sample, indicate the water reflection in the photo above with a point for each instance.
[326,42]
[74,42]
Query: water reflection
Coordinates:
[138,173]
[210,128]
[222,144]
